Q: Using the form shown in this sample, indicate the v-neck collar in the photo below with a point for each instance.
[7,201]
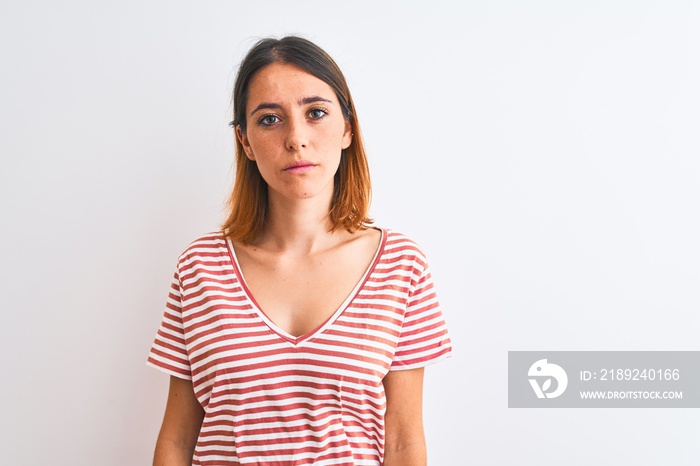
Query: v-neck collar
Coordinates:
[286,336]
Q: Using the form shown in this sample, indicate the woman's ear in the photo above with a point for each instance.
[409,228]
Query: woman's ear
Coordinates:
[240,134]
[347,135]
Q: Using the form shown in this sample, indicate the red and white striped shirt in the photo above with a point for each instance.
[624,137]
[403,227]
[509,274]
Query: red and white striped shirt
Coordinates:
[271,399]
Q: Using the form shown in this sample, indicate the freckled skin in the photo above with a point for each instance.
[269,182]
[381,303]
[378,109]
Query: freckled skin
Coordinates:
[293,131]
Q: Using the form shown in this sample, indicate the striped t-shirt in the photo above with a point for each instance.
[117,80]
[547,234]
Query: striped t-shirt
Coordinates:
[271,399]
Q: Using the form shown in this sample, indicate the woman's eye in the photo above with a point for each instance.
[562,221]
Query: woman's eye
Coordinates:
[317,113]
[268,120]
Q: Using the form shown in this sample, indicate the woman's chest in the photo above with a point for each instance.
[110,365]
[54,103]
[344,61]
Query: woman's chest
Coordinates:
[300,293]
[228,336]
[300,297]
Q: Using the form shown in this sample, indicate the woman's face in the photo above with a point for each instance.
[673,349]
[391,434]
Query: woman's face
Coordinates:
[295,131]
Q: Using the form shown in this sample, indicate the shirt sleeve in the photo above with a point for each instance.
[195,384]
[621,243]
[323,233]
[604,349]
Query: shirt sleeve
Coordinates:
[169,352]
[424,338]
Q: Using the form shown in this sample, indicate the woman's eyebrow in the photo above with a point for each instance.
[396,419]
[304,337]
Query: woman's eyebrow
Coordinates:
[312,99]
[304,101]
[264,106]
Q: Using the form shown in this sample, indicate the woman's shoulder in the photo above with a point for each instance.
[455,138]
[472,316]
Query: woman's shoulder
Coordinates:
[207,245]
[400,239]
[400,244]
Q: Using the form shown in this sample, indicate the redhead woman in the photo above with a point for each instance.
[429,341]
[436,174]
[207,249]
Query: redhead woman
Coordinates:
[298,334]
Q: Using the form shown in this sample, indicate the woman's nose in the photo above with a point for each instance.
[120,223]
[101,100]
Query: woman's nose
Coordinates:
[297,134]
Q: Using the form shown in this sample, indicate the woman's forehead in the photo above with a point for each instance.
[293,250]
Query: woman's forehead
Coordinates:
[282,82]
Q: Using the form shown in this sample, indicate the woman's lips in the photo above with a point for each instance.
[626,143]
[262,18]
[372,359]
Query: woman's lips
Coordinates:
[300,167]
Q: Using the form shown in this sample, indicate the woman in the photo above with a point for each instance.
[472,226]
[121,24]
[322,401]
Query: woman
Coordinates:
[298,334]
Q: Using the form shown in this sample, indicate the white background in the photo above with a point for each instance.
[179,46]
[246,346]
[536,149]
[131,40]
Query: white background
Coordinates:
[546,156]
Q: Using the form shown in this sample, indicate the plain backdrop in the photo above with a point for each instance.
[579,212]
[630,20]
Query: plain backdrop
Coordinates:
[545,155]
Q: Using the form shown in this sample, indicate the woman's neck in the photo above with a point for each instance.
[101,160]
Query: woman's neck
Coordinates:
[298,226]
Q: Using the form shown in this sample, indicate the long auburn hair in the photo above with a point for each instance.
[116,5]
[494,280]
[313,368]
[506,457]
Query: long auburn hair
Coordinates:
[351,188]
